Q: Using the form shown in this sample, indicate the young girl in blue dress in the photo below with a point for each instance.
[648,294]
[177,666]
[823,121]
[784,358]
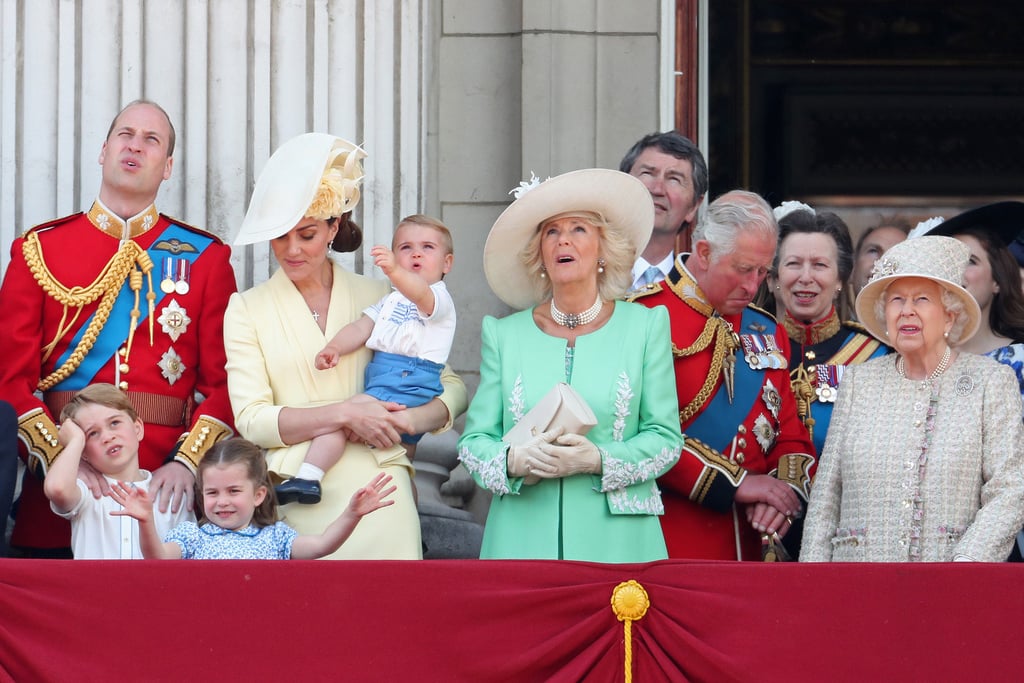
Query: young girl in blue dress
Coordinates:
[238,518]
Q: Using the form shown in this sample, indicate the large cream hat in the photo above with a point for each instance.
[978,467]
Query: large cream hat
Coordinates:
[939,259]
[311,166]
[622,200]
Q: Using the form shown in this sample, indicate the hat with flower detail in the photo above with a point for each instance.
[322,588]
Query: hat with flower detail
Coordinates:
[313,174]
[621,199]
[939,259]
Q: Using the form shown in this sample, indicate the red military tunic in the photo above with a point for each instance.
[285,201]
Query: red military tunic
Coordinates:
[758,431]
[186,354]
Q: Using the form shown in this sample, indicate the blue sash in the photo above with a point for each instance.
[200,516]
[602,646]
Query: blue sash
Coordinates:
[718,419]
[115,331]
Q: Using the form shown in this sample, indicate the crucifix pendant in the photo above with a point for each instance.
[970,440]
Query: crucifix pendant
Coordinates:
[316,316]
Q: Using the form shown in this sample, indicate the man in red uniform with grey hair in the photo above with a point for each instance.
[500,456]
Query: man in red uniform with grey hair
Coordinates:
[747,460]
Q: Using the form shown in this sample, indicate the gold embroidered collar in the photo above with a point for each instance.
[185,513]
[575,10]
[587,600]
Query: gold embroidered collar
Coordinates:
[809,334]
[683,284]
[115,226]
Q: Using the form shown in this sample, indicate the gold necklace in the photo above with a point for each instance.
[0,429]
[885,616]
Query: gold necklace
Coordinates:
[939,369]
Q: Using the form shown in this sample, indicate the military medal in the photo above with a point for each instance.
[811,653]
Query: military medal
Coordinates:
[174,320]
[167,279]
[776,359]
[181,285]
[750,352]
[771,397]
[764,432]
[761,352]
[171,366]
[828,381]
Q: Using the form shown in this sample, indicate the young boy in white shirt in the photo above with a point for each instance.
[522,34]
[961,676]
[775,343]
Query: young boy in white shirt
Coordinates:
[100,426]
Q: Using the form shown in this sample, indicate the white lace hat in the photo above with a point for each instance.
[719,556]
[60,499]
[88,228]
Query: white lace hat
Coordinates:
[939,259]
[313,174]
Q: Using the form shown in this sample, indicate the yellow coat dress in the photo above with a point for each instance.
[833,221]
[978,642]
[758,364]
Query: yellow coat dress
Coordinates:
[271,341]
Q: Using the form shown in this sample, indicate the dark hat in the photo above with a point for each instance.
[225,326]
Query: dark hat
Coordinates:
[1004,220]
[1017,249]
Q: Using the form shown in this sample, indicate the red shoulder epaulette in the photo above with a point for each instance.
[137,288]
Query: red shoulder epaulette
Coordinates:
[52,224]
[646,290]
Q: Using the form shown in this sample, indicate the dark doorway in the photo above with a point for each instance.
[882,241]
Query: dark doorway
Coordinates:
[867,102]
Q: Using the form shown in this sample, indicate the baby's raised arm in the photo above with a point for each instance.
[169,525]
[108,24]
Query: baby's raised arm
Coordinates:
[412,286]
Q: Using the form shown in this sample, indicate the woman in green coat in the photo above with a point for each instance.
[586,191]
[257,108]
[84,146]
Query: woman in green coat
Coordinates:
[562,251]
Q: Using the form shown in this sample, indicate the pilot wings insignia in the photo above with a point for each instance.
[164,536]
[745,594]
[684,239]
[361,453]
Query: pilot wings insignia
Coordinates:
[175,246]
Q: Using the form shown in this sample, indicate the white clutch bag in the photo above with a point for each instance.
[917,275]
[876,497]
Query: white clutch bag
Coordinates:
[560,407]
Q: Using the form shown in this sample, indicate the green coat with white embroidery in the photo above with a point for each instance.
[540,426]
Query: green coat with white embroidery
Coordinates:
[624,372]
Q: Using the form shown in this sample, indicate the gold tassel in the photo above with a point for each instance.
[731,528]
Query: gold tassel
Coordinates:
[135,282]
[629,603]
[146,264]
[800,381]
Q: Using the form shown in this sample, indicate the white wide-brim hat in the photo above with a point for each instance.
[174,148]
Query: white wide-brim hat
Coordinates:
[939,259]
[290,180]
[622,200]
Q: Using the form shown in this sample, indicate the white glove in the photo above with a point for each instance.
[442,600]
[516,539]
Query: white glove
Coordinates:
[572,454]
[523,459]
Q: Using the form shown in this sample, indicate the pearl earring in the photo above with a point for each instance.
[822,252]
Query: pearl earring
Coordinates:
[543,272]
[600,265]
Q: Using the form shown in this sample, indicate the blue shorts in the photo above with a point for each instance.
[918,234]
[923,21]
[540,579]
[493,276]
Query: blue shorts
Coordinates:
[403,379]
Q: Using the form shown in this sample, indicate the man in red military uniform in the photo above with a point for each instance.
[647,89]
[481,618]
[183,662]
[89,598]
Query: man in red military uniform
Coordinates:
[747,459]
[125,295]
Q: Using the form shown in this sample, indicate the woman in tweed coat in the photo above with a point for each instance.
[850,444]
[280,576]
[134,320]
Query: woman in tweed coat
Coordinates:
[924,455]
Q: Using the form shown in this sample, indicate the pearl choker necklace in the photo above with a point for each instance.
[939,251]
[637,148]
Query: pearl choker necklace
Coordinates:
[574,320]
[939,369]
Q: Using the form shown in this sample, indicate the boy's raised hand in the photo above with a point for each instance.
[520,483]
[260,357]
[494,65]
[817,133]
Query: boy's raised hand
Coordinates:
[69,433]
[383,258]
[135,501]
[372,496]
